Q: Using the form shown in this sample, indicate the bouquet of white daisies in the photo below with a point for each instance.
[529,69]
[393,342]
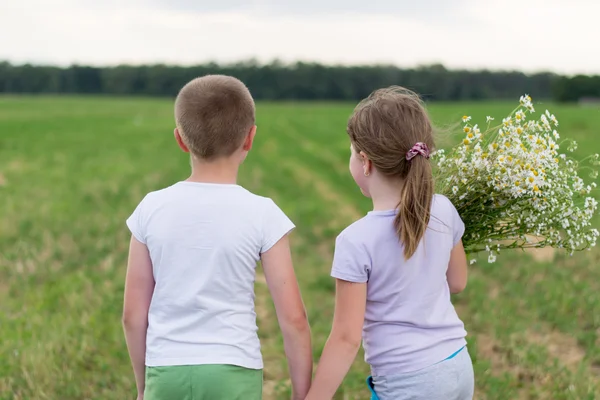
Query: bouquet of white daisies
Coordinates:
[514,188]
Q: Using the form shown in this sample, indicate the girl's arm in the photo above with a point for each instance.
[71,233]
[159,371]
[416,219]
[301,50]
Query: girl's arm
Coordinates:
[139,286]
[344,340]
[456,275]
[281,279]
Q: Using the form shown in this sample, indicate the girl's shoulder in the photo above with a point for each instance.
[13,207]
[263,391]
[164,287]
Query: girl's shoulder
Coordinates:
[444,213]
[442,204]
[440,198]
[363,232]
[356,228]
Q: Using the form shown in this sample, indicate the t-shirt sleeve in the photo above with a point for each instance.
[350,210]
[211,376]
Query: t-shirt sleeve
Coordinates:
[136,225]
[275,226]
[458,226]
[350,262]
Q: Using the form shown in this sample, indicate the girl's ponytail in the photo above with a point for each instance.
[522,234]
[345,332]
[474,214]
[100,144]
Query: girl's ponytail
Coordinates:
[414,209]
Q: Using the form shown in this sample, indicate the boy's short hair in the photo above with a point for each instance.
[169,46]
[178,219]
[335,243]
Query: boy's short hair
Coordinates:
[214,114]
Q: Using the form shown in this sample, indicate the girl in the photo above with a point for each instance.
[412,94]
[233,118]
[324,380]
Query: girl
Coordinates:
[396,267]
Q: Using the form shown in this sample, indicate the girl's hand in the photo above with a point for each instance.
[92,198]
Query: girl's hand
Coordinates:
[456,275]
[344,341]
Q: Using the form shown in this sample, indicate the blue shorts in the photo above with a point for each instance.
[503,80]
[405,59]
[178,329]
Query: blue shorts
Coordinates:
[395,386]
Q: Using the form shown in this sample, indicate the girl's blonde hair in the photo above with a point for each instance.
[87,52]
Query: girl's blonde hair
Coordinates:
[385,126]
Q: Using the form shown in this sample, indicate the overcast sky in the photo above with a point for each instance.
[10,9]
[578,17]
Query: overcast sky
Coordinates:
[531,35]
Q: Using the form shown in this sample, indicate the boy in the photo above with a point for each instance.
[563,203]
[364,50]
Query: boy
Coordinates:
[189,316]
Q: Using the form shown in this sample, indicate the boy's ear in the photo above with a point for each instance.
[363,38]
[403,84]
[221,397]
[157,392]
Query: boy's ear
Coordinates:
[249,139]
[180,142]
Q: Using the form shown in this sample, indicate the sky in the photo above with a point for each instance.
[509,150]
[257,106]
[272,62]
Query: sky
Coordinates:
[530,35]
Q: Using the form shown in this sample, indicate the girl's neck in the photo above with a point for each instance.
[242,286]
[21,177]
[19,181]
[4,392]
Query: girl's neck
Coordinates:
[385,193]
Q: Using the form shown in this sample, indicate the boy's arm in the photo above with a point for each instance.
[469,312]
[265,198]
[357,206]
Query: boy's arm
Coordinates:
[139,286]
[344,340]
[281,279]
[456,275]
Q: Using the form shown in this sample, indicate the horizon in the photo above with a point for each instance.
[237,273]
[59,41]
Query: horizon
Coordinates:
[290,64]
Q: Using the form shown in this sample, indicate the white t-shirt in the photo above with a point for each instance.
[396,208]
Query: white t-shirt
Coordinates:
[204,241]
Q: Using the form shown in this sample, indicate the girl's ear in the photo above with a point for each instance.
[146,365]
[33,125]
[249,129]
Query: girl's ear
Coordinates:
[367,165]
[180,142]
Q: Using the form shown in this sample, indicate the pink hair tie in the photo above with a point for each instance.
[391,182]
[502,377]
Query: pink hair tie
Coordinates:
[419,148]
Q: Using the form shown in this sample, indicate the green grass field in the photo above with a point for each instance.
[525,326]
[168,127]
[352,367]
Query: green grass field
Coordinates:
[72,169]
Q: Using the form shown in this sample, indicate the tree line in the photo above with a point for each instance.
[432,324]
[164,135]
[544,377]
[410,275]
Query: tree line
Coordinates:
[299,81]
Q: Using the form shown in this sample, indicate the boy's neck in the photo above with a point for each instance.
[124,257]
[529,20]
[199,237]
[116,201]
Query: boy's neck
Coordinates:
[223,171]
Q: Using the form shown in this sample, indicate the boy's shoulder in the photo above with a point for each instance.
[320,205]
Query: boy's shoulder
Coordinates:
[222,193]
[159,195]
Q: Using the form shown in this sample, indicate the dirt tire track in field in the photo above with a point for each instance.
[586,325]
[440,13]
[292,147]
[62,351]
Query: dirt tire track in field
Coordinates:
[596,365]
[499,356]
[504,356]
[559,346]
[312,148]
[344,210]
[565,349]
[541,255]
[490,349]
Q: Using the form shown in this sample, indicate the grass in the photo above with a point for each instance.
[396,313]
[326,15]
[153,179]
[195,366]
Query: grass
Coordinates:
[72,169]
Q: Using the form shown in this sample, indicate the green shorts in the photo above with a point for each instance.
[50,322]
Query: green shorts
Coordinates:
[203,382]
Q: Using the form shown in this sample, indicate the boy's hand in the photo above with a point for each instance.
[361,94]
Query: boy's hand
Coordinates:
[281,279]
[139,286]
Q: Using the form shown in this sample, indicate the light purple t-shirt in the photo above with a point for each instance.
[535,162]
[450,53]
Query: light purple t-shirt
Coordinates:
[410,322]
